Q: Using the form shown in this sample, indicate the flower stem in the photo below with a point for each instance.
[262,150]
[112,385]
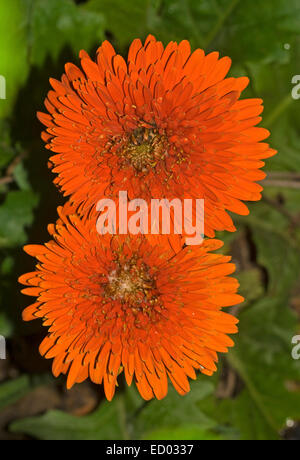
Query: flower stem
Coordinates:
[278,110]
[216,29]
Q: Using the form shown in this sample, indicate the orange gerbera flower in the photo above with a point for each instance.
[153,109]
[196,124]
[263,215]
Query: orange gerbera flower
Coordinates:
[117,304]
[164,124]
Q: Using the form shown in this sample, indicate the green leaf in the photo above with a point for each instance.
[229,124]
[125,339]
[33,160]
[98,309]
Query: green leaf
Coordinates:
[225,25]
[281,116]
[251,287]
[16,213]
[262,359]
[125,20]
[118,420]
[104,423]
[53,25]
[262,354]
[185,432]
[20,175]
[6,326]
[7,152]
[280,257]
[176,412]
[275,23]
[13,390]
[13,52]
[7,265]
[36,30]
[6,155]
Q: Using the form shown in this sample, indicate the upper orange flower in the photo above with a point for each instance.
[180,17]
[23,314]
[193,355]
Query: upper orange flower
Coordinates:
[164,124]
[116,304]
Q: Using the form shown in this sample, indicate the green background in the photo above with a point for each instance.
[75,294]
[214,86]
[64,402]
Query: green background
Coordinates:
[256,392]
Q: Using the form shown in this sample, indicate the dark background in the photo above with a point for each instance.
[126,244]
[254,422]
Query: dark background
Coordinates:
[256,392]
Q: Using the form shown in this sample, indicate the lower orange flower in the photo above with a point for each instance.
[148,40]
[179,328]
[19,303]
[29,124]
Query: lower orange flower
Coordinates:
[121,304]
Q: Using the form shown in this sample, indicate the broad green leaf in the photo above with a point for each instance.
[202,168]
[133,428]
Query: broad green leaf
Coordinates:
[263,351]
[13,390]
[262,359]
[176,412]
[16,214]
[53,25]
[264,405]
[104,423]
[268,325]
[32,31]
[6,326]
[280,257]
[272,80]
[20,175]
[125,20]
[118,419]
[225,25]
[185,432]
[13,52]
[7,151]
[251,286]
[275,23]
[262,354]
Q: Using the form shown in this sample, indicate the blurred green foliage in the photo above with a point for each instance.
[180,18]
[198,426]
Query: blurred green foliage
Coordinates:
[257,387]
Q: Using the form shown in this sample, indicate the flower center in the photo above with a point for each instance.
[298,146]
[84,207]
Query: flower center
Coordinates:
[132,283]
[144,149]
